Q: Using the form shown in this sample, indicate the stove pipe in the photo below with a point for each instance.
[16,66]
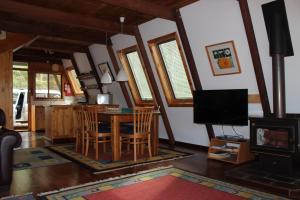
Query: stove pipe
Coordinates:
[278,85]
[280,46]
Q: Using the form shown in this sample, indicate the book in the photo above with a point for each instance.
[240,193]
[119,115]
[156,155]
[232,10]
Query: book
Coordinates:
[219,154]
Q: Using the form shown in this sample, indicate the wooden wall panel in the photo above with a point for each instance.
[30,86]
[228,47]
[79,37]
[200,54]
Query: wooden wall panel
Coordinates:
[6,85]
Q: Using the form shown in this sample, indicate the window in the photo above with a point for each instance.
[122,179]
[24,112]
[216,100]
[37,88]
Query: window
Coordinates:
[172,70]
[48,86]
[138,82]
[73,80]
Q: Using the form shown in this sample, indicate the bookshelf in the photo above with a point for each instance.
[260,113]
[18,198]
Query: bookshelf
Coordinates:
[235,152]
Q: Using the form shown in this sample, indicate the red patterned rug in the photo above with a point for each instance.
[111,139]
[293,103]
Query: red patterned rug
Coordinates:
[162,183]
[166,187]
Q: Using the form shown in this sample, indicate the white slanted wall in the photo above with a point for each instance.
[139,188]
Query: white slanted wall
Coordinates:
[209,22]
[100,55]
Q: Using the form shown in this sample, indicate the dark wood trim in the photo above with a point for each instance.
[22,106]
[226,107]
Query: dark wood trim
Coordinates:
[145,7]
[59,17]
[191,63]
[195,147]
[62,47]
[255,56]
[80,81]
[154,85]
[93,67]
[117,68]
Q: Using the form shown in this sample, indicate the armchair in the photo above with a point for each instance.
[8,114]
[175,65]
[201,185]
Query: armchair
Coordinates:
[9,139]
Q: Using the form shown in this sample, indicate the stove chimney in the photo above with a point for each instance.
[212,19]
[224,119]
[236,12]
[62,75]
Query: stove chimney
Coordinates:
[280,47]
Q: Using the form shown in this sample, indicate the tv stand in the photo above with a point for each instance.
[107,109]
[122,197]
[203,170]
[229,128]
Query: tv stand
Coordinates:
[230,151]
[231,138]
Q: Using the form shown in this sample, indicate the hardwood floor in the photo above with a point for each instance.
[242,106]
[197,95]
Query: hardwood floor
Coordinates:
[49,178]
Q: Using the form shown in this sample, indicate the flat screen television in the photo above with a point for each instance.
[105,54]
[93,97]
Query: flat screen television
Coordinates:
[226,107]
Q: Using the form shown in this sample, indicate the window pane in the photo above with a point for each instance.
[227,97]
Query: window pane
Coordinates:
[175,70]
[41,85]
[74,81]
[20,65]
[54,86]
[139,75]
[20,83]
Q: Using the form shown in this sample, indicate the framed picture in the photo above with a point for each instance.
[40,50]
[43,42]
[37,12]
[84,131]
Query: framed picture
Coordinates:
[104,67]
[223,58]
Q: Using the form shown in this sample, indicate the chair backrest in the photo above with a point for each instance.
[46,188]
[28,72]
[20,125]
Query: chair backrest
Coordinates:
[142,117]
[78,118]
[91,118]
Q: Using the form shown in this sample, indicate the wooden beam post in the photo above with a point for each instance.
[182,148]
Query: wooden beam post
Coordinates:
[255,57]
[154,85]
[191,63]
[145,7]
[117,68]
[78,74]
[91,61]
[6,86]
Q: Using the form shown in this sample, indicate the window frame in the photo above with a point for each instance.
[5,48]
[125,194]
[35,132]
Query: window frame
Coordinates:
[71,81]
[162,71]
[131,80]
[48,98]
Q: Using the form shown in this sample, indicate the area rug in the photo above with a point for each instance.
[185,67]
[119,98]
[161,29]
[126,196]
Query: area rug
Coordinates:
[105,164]
[36,157]
[158,184]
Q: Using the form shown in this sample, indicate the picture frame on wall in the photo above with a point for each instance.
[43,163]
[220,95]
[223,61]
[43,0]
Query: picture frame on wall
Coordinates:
[103,67]
[223,58]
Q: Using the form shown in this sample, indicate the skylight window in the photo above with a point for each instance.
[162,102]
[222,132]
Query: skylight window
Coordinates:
[138,81]
[172,70]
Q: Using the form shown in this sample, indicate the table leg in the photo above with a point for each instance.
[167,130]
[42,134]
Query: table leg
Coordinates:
[115,125]
[154,135]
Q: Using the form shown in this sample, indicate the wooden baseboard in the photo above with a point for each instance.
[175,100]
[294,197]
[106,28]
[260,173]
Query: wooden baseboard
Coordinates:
[185,145]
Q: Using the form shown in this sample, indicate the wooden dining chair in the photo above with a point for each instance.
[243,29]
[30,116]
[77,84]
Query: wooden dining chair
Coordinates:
[79,127]
[141,133]
[95,132]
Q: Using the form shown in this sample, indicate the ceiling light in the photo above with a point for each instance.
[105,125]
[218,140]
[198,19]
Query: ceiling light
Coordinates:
[122,75]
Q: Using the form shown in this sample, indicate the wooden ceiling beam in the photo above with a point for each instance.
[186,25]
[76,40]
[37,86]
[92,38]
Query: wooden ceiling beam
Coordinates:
[57,46]
[143,6]
[14,41]
[24,58]
[58,31]
[59,17]
[42,54]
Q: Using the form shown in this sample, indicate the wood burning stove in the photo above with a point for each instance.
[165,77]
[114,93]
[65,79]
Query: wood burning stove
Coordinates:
[275,138]
[276,141]
[274,135]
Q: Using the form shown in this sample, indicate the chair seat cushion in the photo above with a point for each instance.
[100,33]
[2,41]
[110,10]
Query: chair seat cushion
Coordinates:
[104,129]
[127,128]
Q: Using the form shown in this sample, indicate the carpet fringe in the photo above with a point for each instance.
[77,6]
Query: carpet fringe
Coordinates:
[140,164]
[104,180]
[14,196]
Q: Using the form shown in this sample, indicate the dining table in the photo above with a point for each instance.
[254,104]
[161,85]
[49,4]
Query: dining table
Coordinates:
[116,117]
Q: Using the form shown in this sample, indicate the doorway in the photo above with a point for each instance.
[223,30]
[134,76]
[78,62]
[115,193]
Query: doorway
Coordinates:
[20,96]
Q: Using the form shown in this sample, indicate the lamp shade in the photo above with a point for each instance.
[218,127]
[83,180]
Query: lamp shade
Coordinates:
[106,78]
[122,76]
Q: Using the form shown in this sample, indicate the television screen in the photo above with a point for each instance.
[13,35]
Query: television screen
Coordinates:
[226,107]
